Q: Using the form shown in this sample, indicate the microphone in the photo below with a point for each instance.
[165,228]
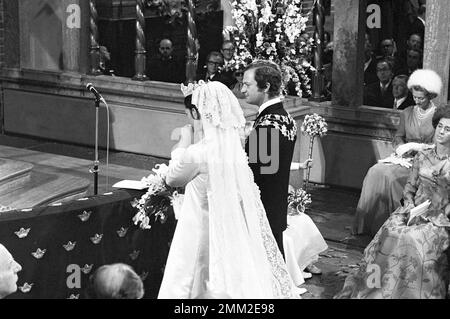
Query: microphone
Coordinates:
[94,91]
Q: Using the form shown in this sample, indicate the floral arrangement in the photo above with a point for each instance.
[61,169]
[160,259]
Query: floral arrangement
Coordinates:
[314,125]
[298,200]
[274,30]
[155,203]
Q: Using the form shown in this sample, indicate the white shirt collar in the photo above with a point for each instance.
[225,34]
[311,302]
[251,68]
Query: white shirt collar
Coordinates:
[423,21]
[268,103]
[385,86]
[398,102]
[366,64]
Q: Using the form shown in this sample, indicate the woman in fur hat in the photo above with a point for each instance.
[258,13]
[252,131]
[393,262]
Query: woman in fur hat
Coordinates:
[383,185]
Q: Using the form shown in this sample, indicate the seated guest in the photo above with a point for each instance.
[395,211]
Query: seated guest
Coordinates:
[407,259]
[413,62]
[214,62]
[414,42]
[370,64]
[214,71]
[8,272]
[383,185]
[115,281]
[227,71]
[164,67]
[380,93]
[402,96]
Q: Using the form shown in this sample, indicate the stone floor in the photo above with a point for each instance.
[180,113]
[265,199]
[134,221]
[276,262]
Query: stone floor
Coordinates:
[331,209]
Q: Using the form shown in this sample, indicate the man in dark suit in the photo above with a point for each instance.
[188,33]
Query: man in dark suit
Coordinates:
[164,67]
[370,72]
[402,96]
[418,25]
[270,146]
[380,93]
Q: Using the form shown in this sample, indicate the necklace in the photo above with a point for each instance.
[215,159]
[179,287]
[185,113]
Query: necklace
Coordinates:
[422,115]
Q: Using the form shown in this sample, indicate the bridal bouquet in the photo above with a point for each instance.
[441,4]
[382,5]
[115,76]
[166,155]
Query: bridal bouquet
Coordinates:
[298,200]
[155,203]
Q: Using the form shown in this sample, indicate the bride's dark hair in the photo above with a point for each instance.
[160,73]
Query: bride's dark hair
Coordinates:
[191,107]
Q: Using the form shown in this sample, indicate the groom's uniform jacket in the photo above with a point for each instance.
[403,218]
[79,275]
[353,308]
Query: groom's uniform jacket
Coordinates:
[275,128]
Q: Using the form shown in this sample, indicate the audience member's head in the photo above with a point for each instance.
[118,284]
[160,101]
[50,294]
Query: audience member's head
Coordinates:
[425,85]
[400,86]
[8,272]
[214,60]
[384,71]
[414,42]
[262,81]
[115,281]
[227,50]
[413,59]
[442,112]
[387,47]
[165,49]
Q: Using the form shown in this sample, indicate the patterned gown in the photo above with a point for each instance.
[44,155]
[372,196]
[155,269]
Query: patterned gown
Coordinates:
[410,262]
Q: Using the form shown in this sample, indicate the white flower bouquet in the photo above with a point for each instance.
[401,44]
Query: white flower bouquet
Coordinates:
[313,125]
[298,201]
[157,202]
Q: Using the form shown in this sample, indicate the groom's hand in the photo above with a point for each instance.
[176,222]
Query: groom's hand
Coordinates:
[306,164]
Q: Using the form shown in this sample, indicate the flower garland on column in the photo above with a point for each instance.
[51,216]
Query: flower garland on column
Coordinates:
[275,31]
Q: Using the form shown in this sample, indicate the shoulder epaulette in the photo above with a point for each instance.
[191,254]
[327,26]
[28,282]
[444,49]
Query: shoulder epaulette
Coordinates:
[284,123]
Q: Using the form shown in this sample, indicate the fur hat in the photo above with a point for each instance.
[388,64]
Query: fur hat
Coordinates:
[427,79]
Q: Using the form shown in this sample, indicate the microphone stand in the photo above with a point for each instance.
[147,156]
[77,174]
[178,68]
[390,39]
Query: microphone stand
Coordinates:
[94,170]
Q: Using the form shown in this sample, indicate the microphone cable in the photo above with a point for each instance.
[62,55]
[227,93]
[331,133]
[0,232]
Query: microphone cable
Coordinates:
[107,146]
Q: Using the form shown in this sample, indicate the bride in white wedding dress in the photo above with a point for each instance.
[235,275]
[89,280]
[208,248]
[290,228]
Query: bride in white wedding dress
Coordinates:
[223,242]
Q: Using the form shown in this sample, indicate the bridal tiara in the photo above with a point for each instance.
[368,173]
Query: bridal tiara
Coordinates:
[188,89]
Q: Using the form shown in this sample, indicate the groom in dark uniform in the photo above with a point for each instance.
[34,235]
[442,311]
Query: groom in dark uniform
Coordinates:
[270,145]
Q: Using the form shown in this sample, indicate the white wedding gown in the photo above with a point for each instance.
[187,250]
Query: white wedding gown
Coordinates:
[255,268]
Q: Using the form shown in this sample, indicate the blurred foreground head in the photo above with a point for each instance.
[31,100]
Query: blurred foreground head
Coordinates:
[115,281]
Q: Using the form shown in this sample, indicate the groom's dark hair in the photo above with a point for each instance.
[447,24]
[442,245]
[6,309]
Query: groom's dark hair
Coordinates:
[267,72]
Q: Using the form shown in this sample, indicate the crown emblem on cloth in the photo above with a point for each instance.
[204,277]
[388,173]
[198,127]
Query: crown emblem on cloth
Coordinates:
[122,232]
[87,269]
[70,246]
[85,216]
[135,254]
[39,253]
[188,89]
[26,288]
[97,239]
[22,233]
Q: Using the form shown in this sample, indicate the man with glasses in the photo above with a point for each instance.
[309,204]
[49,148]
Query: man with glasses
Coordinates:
[380,93]
[164,67]
[213,70]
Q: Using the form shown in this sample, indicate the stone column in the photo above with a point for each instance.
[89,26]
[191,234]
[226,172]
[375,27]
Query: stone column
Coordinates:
[94,46]
[348,60]
[437,43]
